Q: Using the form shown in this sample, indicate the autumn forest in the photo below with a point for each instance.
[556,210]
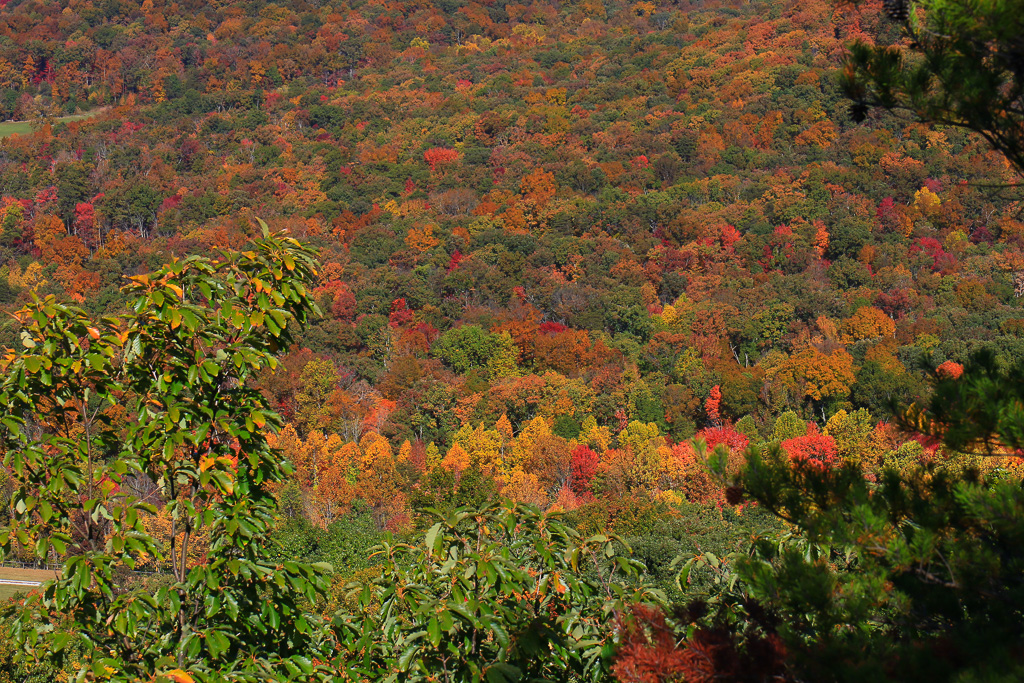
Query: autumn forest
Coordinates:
[467,340]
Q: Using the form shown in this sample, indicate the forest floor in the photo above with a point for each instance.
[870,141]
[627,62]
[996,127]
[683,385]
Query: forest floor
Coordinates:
[9,128]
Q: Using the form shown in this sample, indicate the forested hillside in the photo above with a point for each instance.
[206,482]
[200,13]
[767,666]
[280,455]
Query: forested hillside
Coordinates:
[564,247]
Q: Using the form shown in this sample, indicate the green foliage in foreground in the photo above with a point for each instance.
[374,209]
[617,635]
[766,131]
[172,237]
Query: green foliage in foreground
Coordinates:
[964,67]
[982,411]
[913,575]
[94,410]
[496,594]
[890,573]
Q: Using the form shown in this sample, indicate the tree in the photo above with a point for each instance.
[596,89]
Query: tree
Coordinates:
[824,376]
[440,156]
[868,322]
[646,449]
[583,465]
[498,593]
[851,432]
[907,573]
[470,346]
[538,186]
[319,381]
[813,448]
[12,218]
[787,426]
[909,578]
[72,188]
[456,459]
[713,406]
[378,477]
[974,408]
[687,473]
[93,408]
[961,65]
[422,239]
[132,206]
[550,459]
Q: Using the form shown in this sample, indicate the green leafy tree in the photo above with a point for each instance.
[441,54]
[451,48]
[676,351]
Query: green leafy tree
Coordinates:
[92,410]
[961,65]
[787,426]
[470,346]
[72,188]
[499,593]
[880,573]
[882,576]
[980,411]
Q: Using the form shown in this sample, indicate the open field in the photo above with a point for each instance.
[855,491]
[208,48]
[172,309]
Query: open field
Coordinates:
[28,576]
[15,574]
[7,591]
[9,128]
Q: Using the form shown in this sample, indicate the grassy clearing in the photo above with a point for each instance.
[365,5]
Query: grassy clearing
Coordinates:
[7,592]
[13,574]
[9,128]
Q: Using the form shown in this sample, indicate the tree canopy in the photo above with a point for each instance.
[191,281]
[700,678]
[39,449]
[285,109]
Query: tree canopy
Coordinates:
[108,422]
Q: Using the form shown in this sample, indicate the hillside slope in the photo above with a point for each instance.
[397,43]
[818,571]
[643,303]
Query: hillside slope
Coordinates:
[594,213]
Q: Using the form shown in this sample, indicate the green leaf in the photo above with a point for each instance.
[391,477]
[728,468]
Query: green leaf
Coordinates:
[499,631]
[230,605]
[434,632]
[60,641]
[12,424]
[431,538]
[217,643]
[407,656]
[304,664]
[200,433]
[273,616]
[501,672]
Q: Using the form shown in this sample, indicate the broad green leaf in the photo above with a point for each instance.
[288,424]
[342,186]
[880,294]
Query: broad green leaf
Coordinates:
[217,642]
[503,673]
[431,539]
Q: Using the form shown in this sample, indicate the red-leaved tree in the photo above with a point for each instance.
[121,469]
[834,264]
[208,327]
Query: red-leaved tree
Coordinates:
[582,465]
[814,449]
